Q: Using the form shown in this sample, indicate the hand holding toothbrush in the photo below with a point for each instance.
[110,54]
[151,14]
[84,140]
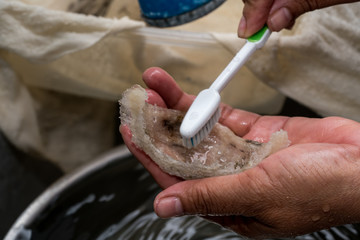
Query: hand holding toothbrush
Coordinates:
[311,185]
[277,14]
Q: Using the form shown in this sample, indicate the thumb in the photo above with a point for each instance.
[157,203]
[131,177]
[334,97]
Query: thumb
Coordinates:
[283,13]
[225,195]
[255,15]
[277,14]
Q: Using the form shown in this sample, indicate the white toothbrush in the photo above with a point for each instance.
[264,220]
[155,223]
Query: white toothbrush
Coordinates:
[204,112]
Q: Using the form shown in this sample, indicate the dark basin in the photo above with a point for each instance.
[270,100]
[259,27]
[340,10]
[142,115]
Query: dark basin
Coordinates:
[111,198]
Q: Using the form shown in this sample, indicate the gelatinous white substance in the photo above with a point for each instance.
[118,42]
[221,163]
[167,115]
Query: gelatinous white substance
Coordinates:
[156,131]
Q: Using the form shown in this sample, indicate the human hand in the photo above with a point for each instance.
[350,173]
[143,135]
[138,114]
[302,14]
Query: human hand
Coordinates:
[277,14]
[311,185]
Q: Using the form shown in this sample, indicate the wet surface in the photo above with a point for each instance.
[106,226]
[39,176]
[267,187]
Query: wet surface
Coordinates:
[22,179]
[115,202]
[156,131]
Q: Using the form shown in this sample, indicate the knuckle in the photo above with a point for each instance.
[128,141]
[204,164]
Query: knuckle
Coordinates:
[202,201]
[306,6]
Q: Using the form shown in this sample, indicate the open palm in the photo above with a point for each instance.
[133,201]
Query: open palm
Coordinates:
[311,185]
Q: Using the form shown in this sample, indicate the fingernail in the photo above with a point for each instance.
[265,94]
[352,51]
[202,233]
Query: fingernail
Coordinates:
[242,27]
[280,19]
[169,207]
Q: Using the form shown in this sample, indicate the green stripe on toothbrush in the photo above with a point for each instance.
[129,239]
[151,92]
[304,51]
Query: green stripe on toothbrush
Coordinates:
[257,36]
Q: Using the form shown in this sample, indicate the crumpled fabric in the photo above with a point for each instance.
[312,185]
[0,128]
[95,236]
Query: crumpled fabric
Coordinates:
[62,72]
[48,105]
[317,63]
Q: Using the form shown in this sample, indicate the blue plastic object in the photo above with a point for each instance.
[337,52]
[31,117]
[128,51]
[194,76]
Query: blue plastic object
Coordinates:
[166,13]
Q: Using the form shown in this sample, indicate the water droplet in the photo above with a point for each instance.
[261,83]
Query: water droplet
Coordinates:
[326,208]
[315,218]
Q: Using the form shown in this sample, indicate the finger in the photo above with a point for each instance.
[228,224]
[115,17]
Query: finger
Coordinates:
[255,15]
[284,12]
[154,98]
[164,86]
[251,125]
[264,127]
[162,83]
[306,130]
[239,121]
[245,124]
[163,179]
[225,196]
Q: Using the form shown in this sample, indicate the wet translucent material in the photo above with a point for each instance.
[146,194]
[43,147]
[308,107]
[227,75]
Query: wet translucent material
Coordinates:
[156,131]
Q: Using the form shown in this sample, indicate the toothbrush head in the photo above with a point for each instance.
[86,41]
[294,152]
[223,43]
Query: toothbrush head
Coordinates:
[201,117]
[204,112]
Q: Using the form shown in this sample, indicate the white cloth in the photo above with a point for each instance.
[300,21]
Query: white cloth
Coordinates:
[36,69]
[318,62]
[62,73]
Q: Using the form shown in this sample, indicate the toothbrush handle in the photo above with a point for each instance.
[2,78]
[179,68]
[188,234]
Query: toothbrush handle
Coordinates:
[231,69]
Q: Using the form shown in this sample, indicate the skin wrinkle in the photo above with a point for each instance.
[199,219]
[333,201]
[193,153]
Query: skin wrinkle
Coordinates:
[337,177]
[300,7]
[323,133]
[282,211]
[325,130]
[200,202]
[346,129]
[321,171]
[313,5]
[290,173]
[288,209]
[350,204]
[272,196]
[265,174]
[343,156]
[294,211]
[255,204]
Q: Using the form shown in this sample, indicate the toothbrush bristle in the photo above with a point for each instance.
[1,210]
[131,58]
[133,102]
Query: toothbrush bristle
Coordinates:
[206,129]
